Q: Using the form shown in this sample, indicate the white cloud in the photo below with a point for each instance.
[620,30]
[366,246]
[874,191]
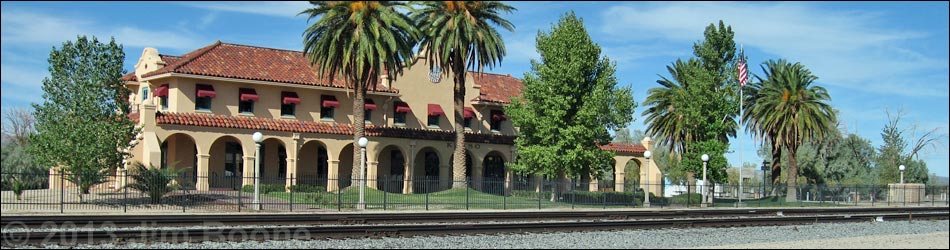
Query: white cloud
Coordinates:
[844,48]
[26,28]
[279,9]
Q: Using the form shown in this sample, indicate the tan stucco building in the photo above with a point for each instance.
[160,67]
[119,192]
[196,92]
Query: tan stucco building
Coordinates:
[199,110]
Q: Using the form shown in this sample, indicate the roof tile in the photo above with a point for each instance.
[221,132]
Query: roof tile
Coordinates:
[496,88]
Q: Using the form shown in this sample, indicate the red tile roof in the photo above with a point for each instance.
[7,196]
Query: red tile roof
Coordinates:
[496,88]
[244,122]
[251,63]
[636,149]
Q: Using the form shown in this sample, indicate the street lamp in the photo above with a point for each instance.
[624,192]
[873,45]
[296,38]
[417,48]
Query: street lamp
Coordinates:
[901,167]
[362,142]
[646,181]
[705,158]
[258,138]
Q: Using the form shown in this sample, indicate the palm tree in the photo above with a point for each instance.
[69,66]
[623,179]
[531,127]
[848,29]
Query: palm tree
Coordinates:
[358,41]
[666,115]
[457,36]
[787,109]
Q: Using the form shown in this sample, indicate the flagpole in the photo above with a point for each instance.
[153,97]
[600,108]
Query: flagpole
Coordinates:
[741,54]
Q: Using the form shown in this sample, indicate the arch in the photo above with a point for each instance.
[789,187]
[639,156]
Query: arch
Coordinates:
[346,172]
[632,174]
[180,152]
[493,173]
[607,183]
[273,161]
[313,164]
[226,163]
[426,171]
[391,170]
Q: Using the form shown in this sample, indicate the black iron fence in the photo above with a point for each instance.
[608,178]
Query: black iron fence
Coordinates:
[56,193]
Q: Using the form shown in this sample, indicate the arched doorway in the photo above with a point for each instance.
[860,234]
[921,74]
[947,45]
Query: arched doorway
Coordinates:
[313,166]
[179,152]
[226,163]
[346,173]
[631,176]
[273,161]
[391,171]
[426,171]
[493,173]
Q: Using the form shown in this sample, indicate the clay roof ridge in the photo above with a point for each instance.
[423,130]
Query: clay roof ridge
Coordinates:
[185,59]
[261,47]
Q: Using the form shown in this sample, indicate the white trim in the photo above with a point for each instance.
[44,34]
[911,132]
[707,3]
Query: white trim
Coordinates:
[489,103]
[278,84]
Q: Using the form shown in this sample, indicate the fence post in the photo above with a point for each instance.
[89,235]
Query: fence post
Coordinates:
[573,195]
[181,200]
[540,192]
[339,196]
[240,192]
[292,192]
[125,193]
[467,191]
[385,190]
[426,189]
[605,198]
[62,190]
[689,194]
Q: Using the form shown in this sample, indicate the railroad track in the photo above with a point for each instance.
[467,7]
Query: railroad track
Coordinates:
[790,216]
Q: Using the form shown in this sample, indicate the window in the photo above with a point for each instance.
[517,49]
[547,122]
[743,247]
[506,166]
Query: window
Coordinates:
[162,94]
[468,114]
[288,104]
[399,113]
[203,97]
[367,114]
[164,102]
[327,104]
[368,106]
[497,116]
[144,93]
[468,123]
[246,99]
[433,121]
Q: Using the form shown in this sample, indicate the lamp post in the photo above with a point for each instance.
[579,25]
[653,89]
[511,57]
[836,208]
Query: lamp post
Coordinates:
[902,167]
[646,181]
[362,143]
[765,167]
[258,138]
[705,159]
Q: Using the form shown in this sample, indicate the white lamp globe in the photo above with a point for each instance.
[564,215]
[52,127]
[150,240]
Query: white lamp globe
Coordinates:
[901,167]
[258,137]
[362,142]
[647,154]
[705,157]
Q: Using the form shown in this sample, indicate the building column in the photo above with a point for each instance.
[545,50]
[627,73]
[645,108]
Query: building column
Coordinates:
[509,178]
[333,173]
[537,182]
[407,178]
[593,187]
[477,173]
[247,177]
[371,169]
[291,172]
[619,175]
[203,172]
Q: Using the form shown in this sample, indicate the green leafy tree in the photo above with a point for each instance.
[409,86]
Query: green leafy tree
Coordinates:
[569,102]
[458,35]
[81,124]
[358,41]
[153,181]
[894,152]
[786,106]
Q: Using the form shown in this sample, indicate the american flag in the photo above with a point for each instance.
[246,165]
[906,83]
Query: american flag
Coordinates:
[742,70]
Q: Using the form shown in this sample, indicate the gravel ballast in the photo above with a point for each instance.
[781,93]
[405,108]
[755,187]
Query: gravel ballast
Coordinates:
[896,234]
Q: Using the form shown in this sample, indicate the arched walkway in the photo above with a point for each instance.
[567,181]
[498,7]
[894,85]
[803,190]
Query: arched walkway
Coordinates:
[391,170]
[180,152]
[632,175]
[493,173]
[426,171]
[273,161]
[313,165]
[347,175]
[226,164]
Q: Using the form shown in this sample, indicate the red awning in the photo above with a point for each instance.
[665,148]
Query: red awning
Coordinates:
[329,101]
[435,110]
[468,113]
[369,104]
[248,95]
[499,116]
[290,98]
[205,91]
[402,107]
[161,91]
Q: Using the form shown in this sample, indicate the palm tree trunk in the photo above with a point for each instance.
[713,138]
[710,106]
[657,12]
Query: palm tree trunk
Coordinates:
[458,157]
[776,166]
[792,177]
[359,125]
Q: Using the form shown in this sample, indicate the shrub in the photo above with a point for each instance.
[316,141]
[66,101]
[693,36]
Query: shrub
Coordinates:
[265,188]
[307,189]
[152,181]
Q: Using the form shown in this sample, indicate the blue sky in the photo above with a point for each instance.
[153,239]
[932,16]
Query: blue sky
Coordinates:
[871,56]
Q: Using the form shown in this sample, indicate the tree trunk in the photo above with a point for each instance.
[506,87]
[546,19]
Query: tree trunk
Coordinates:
[458,159]
[791,177]
[359,125]
[776,167]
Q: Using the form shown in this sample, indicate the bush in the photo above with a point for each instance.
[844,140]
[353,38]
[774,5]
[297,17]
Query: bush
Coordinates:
[265,188]
[154,182]
[682,198]
[307,189]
